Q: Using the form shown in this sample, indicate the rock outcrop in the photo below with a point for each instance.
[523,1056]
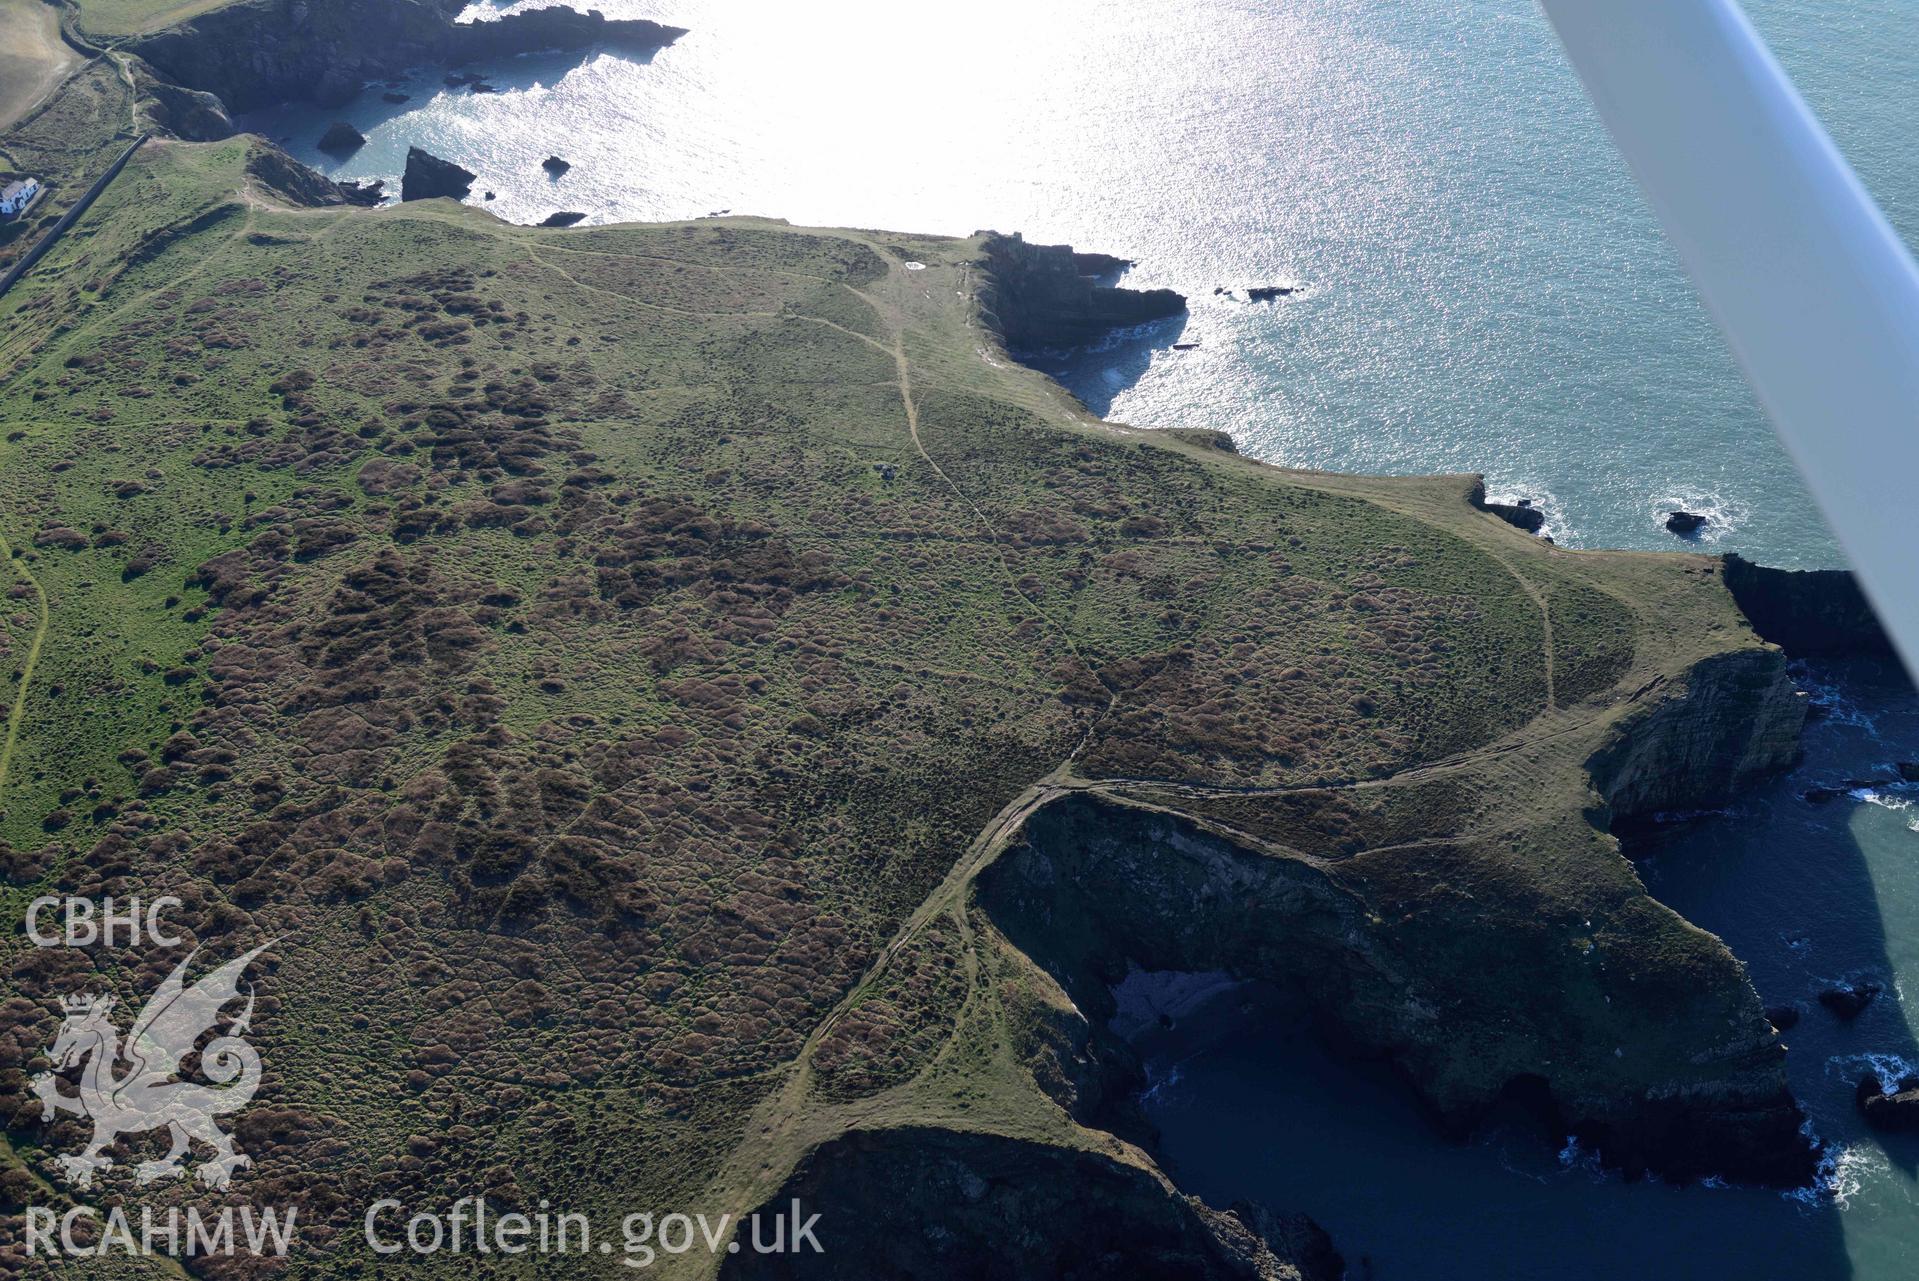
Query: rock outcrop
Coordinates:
[341,138]
[1849,1000]
[1895,1110]
[1686,524]
[429,177]
[553,28]
[566,218]
[1047,296]
[1098,888]
[1736,720]
[184,113]
[1520,514]
[1211,437]
[259,52]
[1806,612]
[297,184]
[1038,1211]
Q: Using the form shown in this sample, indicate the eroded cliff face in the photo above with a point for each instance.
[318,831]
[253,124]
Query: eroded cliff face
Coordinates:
[1806,612]
[934,1204]
[1422,978]
[1046,296]
[266,51]
[1735,719]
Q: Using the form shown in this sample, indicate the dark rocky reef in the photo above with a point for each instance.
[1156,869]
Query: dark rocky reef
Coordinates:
[1087,898]
[296,184]
[260,52]
[1036,1211]
[1807,613]
[428,177]
[1895,1110]
[1849,1000]
[1047,296]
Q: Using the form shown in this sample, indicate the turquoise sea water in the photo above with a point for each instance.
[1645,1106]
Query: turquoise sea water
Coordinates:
[1481,290]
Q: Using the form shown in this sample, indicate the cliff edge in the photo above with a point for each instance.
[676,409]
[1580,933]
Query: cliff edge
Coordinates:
[1037,297]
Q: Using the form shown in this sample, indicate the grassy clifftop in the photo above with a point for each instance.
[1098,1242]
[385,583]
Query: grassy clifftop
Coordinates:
[608,658]
[111,18]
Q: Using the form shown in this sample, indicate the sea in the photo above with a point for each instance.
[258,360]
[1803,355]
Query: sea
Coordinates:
[1478,286]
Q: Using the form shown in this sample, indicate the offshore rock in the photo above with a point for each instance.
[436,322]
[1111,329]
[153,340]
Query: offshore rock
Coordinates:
[341,138]
[1849,1000]
[1685,524]
[1897,1111]
[428,177]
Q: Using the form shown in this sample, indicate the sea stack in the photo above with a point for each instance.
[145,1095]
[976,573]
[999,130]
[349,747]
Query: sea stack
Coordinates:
[428,176]
[1685,524]
[341,138]
[555,166]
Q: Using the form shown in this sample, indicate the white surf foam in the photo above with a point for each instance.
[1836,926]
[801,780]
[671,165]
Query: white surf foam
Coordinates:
[1723,515]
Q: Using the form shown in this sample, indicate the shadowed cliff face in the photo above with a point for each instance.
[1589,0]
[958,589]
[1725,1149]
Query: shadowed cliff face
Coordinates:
[1807,612]
[267,51]
[1736,722]
[933,1204]
[1041,296]
[1100,887]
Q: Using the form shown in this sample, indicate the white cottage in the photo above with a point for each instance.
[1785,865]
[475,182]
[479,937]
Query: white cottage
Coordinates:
[17,196]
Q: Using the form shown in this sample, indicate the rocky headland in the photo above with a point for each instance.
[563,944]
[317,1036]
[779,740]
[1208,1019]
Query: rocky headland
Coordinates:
[1048,296]
[1352,737]
[259,52]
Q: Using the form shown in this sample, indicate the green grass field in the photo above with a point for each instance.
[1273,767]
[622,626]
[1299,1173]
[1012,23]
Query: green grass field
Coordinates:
[606,659]
[111,18]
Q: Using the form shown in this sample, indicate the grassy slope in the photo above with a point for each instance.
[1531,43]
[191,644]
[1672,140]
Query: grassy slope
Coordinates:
[33,58]
[111,18]
[590,649]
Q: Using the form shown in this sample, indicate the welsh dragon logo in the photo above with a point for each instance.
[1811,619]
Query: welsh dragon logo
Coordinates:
[144,1095]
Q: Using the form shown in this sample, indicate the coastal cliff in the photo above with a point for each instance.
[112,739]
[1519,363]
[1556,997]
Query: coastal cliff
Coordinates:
[1097,888]
[1047,296]
[259,52]
[1806,612]
[840,792]
[1734,719]
[1039,1211]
